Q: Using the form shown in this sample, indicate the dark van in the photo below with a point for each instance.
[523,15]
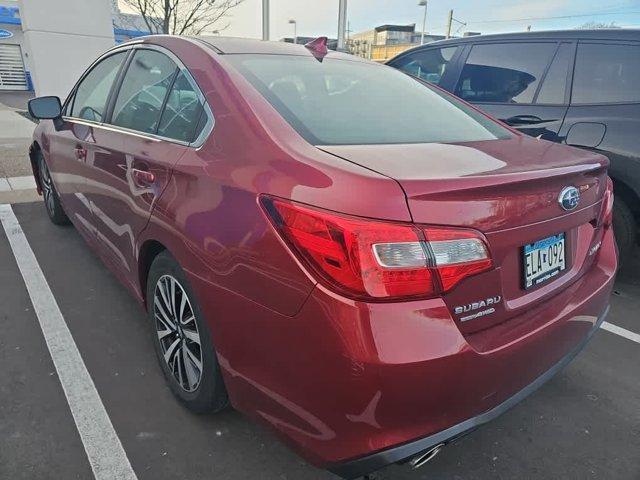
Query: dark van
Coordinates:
[579,87]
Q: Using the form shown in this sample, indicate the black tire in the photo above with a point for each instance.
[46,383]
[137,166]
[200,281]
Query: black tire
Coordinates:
[50,196]
[625,229]
[209,393]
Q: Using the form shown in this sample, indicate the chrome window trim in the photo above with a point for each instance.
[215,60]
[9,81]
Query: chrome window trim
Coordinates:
[108,53]
[115,128]
[139,45]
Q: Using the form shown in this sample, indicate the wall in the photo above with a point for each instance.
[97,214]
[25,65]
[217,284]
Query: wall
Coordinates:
[18,39]
[62,38]
[382,53]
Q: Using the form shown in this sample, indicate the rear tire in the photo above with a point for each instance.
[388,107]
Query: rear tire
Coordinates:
[625,229]
[182,338]
[50,195]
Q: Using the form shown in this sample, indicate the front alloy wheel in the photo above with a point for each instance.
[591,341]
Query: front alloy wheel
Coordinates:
[47,189]
[51,199]
[178,334]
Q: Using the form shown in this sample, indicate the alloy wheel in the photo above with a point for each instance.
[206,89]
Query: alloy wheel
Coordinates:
[47,189]
[177,332]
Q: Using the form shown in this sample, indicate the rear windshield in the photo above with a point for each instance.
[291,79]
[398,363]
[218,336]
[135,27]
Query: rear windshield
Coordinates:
[343,102]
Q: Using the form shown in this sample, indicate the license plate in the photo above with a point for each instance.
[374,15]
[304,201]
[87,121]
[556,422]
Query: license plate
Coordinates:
[543,260]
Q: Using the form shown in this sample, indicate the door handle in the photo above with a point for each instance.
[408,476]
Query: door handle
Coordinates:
[524,120]
[142,178]
[81,153]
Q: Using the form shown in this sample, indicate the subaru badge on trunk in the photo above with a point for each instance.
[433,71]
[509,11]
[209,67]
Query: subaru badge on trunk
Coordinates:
[569,198]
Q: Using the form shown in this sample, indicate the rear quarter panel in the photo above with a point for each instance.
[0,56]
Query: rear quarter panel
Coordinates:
[210,211]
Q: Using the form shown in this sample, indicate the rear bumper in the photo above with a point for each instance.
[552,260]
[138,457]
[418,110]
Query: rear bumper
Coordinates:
[370,463]
[353,386]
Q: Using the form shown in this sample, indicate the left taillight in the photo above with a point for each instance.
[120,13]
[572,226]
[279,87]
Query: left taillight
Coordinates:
[377,260]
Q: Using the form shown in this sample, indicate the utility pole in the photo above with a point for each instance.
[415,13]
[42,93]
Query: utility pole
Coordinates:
[265,19]
[449,22]
[423,3]
[342,23]
[295,30]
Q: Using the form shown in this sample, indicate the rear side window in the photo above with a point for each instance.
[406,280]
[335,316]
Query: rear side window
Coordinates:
[429,65]
[606,73]
[504,73]
[91,95]
[555,82]
[143,91]
[183,109]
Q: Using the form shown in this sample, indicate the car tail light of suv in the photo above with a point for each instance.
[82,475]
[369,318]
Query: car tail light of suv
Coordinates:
[607,205]
[378,260]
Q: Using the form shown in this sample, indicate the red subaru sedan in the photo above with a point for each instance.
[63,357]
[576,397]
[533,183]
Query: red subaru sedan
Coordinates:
[363,262]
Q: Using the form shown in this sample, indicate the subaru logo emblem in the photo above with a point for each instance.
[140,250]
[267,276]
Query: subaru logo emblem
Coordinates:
[569,198]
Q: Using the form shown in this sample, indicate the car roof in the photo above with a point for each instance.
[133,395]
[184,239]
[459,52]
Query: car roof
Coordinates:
[236,45]
[597,34]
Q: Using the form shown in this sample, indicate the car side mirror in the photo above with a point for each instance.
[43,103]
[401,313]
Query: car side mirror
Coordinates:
[45,108]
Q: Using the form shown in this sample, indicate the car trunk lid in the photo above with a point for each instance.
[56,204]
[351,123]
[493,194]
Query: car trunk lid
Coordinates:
[508,190]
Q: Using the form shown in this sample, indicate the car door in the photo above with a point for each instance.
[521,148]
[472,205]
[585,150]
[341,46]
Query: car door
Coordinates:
[73,140]
[146,137]
[524,84]
[605,106]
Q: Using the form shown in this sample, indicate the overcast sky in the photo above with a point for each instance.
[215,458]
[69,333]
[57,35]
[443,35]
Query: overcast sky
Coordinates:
[319,17]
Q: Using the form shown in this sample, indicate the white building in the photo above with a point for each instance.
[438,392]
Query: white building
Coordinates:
[16,66]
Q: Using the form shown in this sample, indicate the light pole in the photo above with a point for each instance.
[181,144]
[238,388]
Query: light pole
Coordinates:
[265,19]
[423,3]
[342,23]
[295,30]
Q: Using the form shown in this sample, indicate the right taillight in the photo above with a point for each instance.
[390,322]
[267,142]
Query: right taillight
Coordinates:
[378,260]
[607,205]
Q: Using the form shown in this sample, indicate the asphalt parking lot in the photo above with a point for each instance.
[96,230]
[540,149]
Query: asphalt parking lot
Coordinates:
[584,423]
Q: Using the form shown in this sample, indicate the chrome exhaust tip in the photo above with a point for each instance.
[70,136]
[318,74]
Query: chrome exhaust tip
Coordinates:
[423,458]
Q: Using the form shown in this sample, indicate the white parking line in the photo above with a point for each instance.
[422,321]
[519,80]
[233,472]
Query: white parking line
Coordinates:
[104,450]
[623,332]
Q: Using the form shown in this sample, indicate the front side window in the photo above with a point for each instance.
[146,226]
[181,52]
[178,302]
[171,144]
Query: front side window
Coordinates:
[504,73]
[342,102]
[429,65]
[606,73]
[143,91]
[90,99]
[180,118]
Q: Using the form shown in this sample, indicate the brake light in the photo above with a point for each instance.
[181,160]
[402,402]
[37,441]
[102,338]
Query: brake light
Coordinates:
[607,205]
[377,260]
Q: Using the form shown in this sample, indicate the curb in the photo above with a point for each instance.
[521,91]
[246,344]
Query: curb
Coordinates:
[18,190]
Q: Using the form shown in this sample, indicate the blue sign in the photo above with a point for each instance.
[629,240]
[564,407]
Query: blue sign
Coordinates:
[5,34]
[9,15]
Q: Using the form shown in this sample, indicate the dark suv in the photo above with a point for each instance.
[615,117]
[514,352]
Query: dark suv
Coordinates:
[580,87]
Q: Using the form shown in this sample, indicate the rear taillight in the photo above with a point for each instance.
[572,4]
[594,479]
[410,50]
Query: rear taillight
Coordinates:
[607,205]
[372,259]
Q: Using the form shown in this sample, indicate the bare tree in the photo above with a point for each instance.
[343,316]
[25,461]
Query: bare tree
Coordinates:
[597,25]
[183,17]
